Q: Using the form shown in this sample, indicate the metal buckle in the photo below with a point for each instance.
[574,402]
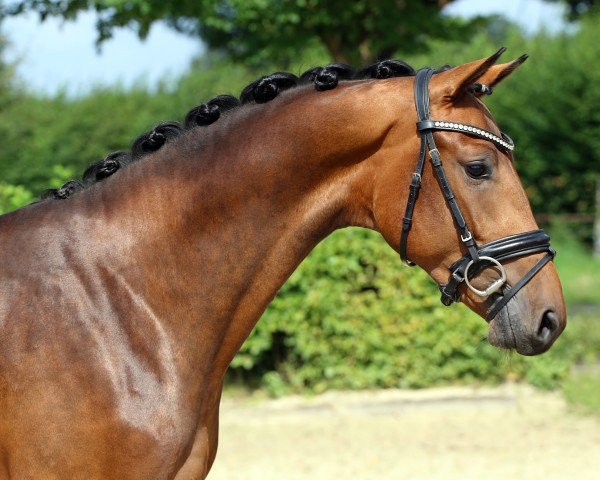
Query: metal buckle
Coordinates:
[465,240]
[458,278]
[436,159]
[495,286]
[416,178]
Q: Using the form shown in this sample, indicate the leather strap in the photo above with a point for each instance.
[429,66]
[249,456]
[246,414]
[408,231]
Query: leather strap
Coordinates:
[421,92]
[507,248]
[511,292]
[426,131]
[459,219]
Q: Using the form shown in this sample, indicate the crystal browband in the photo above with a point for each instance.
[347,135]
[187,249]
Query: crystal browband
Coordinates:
[504,141]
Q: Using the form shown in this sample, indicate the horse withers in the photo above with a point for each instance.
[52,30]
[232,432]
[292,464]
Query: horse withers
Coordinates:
[125,297]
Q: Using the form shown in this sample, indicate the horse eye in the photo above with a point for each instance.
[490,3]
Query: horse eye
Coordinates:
[476,170]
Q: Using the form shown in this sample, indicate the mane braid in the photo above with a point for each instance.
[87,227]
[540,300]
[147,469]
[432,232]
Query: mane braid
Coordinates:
[387,69]
[151,141]
[326,78]
[211,111]
[65,191]
[267,88]
[105,167]
[262,90]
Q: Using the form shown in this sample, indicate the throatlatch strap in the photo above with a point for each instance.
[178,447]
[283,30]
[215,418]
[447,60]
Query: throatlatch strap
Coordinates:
[413,194]
[422,104]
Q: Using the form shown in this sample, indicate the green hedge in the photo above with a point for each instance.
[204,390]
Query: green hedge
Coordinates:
[352,317]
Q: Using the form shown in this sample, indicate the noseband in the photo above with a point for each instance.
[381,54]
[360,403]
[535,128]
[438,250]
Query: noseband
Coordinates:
[477,257]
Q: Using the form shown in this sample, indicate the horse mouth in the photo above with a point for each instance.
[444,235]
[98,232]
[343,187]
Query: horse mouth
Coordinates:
[500,333]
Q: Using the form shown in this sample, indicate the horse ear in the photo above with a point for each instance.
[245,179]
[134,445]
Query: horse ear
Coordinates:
[495,74]
[457,81]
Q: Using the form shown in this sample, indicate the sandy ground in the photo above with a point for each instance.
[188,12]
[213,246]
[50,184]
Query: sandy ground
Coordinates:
[511,432]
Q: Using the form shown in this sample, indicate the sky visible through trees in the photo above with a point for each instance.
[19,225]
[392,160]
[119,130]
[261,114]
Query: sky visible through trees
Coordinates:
[58,55]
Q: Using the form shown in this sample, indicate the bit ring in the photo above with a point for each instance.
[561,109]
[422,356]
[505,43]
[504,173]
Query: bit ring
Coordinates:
[495,286]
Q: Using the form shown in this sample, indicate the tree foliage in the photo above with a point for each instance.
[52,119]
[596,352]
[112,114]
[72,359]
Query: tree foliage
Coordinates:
[272,30]
[40,132]
[262,31]
[352,317]
[576,8]
[13,197]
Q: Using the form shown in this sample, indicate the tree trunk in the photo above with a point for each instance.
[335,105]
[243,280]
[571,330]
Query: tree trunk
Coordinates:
[336,48]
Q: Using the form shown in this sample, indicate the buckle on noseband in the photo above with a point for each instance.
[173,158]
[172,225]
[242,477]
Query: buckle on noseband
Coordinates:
[495,286]
[448,296]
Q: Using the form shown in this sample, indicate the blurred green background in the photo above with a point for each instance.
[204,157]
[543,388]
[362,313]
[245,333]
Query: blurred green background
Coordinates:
[351,316]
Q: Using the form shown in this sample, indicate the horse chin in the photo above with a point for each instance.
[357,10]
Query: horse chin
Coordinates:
[500,333]
[508,331]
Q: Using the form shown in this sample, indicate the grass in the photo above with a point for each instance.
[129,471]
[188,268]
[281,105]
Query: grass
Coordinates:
[579,273]
[582,392]
[580,276]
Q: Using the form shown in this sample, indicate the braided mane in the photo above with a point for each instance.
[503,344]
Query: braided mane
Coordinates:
[262,90]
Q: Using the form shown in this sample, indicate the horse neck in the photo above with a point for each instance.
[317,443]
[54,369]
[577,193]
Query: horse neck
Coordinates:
[221,224]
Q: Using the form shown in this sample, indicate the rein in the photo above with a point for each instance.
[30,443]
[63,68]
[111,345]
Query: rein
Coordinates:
[477,257]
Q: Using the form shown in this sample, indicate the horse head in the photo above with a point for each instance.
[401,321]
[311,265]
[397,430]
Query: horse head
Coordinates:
[467,220]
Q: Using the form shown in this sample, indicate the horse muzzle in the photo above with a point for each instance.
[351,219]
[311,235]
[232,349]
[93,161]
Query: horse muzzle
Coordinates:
[518,326]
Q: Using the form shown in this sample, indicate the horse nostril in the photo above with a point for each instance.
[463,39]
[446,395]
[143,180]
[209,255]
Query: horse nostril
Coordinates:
[548,326]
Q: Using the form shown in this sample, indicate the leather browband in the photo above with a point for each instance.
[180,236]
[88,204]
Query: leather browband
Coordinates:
[477,258]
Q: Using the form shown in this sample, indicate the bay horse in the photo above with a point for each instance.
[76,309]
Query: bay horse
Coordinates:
[125,296]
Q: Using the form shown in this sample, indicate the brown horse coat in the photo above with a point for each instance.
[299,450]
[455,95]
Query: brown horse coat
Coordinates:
[122,307]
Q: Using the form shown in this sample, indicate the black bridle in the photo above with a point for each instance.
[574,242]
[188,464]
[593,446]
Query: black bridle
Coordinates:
[478,257]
